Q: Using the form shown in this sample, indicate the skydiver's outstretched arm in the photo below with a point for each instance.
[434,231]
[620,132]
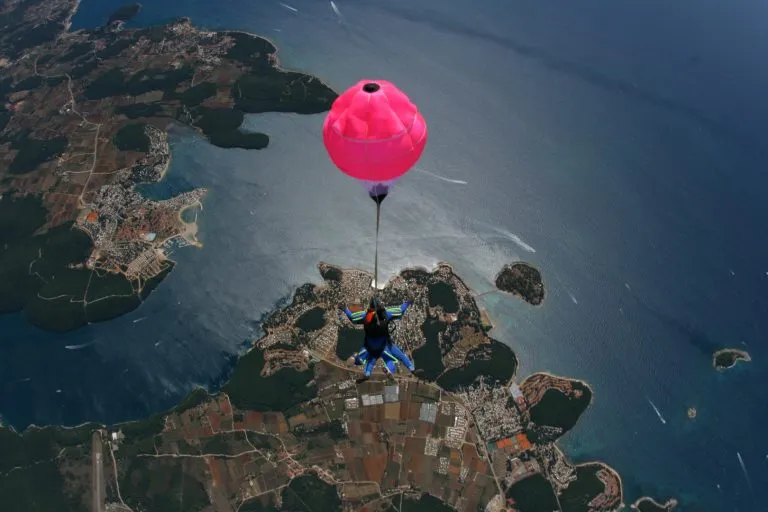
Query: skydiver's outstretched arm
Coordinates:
[395,312]
[356,318]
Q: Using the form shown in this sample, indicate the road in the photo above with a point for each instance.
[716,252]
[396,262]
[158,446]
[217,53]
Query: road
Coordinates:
[97,474]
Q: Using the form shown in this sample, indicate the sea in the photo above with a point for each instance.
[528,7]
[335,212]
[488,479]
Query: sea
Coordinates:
[618,146]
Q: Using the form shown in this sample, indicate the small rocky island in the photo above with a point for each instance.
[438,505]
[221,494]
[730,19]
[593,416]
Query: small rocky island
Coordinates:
[292,425]
[522,280]
[728,357]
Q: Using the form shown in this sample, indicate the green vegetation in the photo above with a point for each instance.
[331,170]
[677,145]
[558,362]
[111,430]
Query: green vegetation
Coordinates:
[36,483]
[249,390]
[148,427]
[533,494]
[443,294]
[75,51]
[20,217]
[155,79]
[35,445]
[350,341]
[311,320]
[164,485]
[496,362]
[282,91]
[115,83]
[125,13]
[35,152]
[334,429]
[18,34]
[29,83]
[213,120]
[727,358]
[5,117]
[221,125]
[250,50]
[578,494]
[225,443]
[37,488]
[330,273]
[110,83]
[55,80]
[238,139]
[83,70]
[426,503]
[256,505]
[428,358]
[306,489]
[132,137]
[556,409]
[197,396]
[138,110]
[114,49]
[523,280]
[194,96]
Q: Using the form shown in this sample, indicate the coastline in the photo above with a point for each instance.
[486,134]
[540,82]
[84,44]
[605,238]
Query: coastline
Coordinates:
[276,58]
[190,229]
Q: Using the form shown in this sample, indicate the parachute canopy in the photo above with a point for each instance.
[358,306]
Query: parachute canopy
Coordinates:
[374,133]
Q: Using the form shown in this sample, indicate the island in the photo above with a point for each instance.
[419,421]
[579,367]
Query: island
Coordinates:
[83,122]
[522,280]
[728,357]
[293,429]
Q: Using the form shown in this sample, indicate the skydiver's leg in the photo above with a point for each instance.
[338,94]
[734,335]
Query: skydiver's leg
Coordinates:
[358,359]
[369,365]
[390,363]
[395,351]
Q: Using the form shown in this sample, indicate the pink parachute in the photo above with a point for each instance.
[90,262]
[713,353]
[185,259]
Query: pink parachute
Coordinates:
[374,134]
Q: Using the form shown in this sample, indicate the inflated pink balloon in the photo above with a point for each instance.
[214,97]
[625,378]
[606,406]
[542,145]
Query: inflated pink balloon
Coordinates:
[373,132]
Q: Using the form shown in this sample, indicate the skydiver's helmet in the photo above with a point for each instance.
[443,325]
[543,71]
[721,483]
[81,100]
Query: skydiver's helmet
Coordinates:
[377,306]
[376,325]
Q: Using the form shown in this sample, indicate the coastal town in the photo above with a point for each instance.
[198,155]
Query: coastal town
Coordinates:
[294,420]
[293,410]
[83,124]
[83,132]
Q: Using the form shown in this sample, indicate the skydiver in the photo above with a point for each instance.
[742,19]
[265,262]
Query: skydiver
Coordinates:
[378,342]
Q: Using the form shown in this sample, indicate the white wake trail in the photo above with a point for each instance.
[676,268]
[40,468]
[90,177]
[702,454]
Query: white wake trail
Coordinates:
[656,410]
[289,7]
[443,178]
[336,10]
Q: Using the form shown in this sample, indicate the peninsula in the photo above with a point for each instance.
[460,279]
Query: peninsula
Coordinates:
[728,357]
[522,280]
[83,119]
[291,429]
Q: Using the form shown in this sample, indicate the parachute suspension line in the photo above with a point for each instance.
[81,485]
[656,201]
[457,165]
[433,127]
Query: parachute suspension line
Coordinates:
[376,257]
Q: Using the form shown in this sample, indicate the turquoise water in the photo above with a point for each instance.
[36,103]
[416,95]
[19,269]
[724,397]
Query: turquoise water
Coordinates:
[619,147]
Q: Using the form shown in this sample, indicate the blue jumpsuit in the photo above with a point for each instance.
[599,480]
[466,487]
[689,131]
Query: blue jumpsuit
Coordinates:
[382,346]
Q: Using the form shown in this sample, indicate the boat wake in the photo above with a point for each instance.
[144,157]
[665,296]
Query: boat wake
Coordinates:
[656,410]
[744,470]
[78,347]
[443,178]
[290,8]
